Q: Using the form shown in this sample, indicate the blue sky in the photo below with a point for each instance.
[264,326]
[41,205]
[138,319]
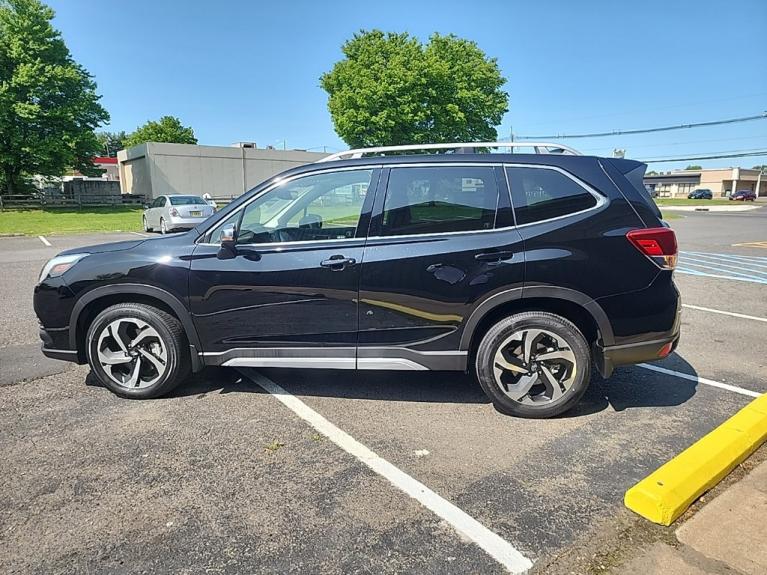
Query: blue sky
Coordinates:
[247,70]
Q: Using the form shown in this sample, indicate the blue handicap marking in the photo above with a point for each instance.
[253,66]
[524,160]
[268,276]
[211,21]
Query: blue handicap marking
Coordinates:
[726,266]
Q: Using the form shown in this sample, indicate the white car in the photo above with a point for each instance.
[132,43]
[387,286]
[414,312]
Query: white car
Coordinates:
[176,212]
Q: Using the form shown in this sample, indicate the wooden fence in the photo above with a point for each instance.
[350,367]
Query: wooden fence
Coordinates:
[37,201]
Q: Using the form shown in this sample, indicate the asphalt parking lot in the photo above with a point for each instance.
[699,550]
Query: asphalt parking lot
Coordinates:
[224,477]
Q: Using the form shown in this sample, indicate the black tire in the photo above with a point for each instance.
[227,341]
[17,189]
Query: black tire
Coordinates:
[146,227]
[170,335]
[528,406]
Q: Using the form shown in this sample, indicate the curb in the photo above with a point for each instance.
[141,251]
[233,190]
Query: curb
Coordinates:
[666,493]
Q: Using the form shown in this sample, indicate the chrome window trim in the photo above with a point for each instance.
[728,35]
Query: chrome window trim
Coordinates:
[601,200]
[294,243]
[439,234]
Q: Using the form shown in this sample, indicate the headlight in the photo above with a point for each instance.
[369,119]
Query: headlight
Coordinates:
[58,265]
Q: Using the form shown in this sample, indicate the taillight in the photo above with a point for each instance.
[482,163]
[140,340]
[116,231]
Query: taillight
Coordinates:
[174,212]
[658,244]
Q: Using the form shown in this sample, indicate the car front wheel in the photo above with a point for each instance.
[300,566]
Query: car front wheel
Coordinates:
[137,350]
[534,364]
[146,227]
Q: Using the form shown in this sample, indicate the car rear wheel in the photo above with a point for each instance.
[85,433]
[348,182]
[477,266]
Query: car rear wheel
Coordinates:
[163,227]
[137,350]
[534,364]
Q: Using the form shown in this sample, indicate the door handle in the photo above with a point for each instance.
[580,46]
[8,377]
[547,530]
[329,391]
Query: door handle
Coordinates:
[338,262]
[494,256]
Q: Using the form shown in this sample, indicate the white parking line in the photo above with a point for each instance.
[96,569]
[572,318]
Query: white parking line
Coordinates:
[703,380]
[733,314]
[495,546]
[682,270]
[46,242]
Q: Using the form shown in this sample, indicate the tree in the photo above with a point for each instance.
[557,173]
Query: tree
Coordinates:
[391,89]
[48,103]
[166,129]
[694,167]
[111,142]
[761,167]
[651,173]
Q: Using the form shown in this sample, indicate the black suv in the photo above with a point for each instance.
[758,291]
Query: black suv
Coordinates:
[527,269]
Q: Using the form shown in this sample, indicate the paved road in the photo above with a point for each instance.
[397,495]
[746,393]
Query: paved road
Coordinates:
[224,478]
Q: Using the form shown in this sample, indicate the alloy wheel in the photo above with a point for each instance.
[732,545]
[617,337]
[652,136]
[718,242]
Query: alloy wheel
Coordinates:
[132,353]
[163,229]
[534,366]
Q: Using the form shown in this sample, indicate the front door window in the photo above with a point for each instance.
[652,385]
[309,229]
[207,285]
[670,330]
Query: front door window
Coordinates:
[313,208]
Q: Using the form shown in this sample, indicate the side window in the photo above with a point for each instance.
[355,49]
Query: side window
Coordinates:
[318,207]
[439,199]
[542,194]
[159,202]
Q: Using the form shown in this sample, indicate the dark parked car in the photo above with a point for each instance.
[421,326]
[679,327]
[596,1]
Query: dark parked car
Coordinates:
[526,269]
[700,194]
[743,196]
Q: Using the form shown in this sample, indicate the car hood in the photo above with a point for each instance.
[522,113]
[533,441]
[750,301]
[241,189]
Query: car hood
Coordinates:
[102,248]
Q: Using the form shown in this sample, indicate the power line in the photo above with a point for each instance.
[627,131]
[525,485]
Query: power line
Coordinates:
[761,116]
[653,109]
[734,154]
[686,142]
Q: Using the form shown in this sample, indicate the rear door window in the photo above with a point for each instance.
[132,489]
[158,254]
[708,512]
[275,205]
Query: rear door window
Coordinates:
[439,200]
[543,193]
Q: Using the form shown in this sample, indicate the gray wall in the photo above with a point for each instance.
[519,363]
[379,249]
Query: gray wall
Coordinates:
[154,169]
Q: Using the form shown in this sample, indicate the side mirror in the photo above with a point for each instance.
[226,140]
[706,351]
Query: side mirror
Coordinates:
[146,206]
[228,239]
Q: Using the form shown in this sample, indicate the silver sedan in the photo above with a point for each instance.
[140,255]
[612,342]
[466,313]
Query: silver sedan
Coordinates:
[175,212]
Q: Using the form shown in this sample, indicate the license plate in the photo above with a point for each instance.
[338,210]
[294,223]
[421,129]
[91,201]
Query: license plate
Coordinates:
[195,214]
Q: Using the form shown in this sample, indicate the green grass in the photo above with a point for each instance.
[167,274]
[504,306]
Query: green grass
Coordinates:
[51,221]
[685,202]
[671,216]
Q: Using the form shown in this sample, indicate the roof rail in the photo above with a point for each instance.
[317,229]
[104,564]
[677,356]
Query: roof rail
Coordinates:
[539,147]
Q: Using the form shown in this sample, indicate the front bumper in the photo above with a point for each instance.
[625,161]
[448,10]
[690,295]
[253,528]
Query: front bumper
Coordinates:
[55,344]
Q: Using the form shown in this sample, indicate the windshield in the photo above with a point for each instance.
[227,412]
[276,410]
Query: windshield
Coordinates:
[186,201]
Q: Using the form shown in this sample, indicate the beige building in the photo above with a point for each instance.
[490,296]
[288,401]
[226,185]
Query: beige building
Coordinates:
[721,181]
[156,169]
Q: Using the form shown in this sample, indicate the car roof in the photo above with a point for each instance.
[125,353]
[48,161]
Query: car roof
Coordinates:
[564,161]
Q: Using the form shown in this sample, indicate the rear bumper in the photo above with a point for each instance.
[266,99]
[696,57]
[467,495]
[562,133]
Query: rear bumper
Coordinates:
[186,223]
[651,346]
[608,358]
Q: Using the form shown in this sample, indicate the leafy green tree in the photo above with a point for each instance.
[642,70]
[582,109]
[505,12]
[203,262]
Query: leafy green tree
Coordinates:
[391,89]
[49,108]
[111,142]
[166,129]
[694,167]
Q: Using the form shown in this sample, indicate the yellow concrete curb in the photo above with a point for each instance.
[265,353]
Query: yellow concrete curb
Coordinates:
[666,493]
